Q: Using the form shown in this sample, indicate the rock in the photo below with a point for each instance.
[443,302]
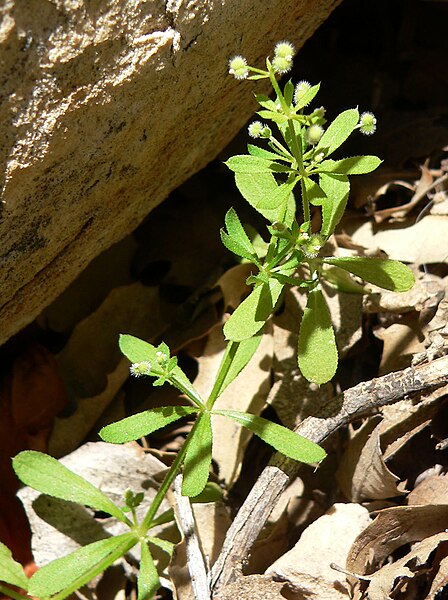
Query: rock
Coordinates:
[107,107]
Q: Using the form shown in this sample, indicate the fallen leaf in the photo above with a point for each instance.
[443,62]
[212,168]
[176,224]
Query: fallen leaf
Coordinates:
[362,472]
[328,540]
[432,490]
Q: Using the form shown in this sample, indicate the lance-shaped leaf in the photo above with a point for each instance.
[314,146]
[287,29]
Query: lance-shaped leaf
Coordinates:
[79,567]
[253,312]
[239,356]
[388,274]
[137,351]
[266,196]
[148,579]
[144,423]
[243,163]
[338,131]
[281,438]
[47,475]
[10,570]
[237,233]
[317,352]
[354,165]
[288,92]
[336,189]
[266,154]
[198,457]
[314,193]
[307,97]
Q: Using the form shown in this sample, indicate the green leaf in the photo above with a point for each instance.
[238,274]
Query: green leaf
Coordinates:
[336,189]
[266,196]
[317,353]
[355,165]
[79,567]
[237,248]
[265,101]
[338,131]
[262,153]
[137,350]
[211,493]
[314,193]
[250,316]
[245,163]
[307,97]
[242,355]
[385,273]
[10,570]
[47,475]
[164,545]
[137,426]
[281,438]
[148,579]
[198,457]
[342,281]
[237,232]
[273,115]
[288,92]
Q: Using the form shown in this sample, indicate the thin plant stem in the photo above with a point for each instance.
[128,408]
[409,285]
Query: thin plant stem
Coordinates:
[9,593]
[166,483]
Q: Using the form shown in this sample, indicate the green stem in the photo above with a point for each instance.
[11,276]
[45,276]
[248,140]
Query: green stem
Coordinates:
[277,90]
[305,203]
[224,367]
[8,592]
[195,399]
[166,483]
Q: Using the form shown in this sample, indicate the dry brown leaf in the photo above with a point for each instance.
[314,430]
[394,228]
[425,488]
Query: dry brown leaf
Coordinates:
[91,364]
[233,284]
[432,490]
[251,587]
[440,582]
[392,528]
[401,342]
[328,540]
[421,243]
[362,472]
[388,580]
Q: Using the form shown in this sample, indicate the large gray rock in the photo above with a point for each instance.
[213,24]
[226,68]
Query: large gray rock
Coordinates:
[107,107]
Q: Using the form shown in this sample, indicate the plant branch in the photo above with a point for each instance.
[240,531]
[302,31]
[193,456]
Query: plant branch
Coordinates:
[195,559]
[349,406]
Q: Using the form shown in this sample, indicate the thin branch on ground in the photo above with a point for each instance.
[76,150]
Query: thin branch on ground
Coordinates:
[357,402]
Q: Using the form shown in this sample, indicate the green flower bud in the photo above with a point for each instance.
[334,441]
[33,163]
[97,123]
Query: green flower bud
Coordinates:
[319,113]
[311,248]
[266,132]
[238,67]
[313,134]
[301,89]
[141,368]
[367,123]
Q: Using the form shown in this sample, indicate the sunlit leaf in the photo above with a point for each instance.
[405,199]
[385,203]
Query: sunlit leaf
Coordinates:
[338,131]
[47,475]
[137,426]
[354,165]
[198,457]
[281,438]
[336,189]
[307,97]
[79,567]
[10,570]
[250,316]
[148,579]
[388,274]
[317,352]
[244,163]
[264,194]
[239,358]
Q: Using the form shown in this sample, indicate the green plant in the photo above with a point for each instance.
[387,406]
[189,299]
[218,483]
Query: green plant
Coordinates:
[266,179]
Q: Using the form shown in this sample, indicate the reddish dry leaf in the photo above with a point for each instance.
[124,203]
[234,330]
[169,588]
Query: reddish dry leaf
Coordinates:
[30,397]
[432,490]
[362,472]
[393,528]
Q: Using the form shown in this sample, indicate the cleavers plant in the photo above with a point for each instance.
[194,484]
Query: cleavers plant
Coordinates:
[298,159]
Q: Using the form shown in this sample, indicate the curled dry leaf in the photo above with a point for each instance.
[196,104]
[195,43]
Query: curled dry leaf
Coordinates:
[362,472]
[394,527]
[404,573]
[328,540]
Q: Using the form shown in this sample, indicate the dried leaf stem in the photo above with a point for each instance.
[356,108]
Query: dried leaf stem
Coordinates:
[352,404]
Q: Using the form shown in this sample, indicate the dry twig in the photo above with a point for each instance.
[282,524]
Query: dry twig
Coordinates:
[352,404]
